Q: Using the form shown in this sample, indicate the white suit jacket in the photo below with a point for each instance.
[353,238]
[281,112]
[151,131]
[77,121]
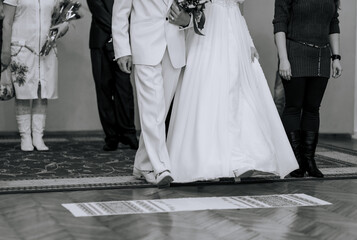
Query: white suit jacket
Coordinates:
[148,33]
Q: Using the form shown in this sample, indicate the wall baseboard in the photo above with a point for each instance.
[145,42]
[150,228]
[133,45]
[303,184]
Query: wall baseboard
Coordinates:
[336,135]
[354,136]
[6,134]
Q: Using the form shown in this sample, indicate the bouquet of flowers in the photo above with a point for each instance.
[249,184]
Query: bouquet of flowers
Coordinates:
[6,92]
[196,8]
[65,12]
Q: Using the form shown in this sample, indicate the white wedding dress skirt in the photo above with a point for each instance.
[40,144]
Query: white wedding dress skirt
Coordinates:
[224,121]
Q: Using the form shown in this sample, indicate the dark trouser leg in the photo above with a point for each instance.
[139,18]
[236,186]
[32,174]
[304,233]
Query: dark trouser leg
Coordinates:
[294,98]
[310,122]
[168,117]
[103,79]
[124,107]
[1,21]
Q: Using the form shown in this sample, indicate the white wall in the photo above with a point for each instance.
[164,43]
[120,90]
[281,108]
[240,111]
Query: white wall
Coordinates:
[337,115]
[259,18]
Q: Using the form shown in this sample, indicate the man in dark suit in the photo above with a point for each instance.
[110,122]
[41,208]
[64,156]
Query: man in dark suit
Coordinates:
[113,87]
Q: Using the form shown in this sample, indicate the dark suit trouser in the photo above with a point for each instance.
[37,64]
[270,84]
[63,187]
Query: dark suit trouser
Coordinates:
[114,97]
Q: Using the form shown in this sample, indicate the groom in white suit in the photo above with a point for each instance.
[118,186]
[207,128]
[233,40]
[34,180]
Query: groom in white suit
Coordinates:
[155,44]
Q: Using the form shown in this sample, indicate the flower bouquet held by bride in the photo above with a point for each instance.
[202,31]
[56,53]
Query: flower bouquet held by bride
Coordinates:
[196,8]
[66,11]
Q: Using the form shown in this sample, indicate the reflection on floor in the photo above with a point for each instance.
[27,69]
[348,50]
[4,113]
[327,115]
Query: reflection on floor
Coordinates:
[41,216]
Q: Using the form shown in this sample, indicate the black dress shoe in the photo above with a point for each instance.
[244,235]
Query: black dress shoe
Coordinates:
[110,146]
[130,140]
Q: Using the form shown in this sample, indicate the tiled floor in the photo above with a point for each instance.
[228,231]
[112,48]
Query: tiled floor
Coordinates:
[41,216]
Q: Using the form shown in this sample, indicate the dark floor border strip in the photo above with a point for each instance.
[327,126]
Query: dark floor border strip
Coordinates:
[63,134]
[55,177]
[90,187]
[100,132]
[59,133]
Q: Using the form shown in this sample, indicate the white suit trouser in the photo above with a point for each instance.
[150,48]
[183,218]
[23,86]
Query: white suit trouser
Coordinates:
[156,86]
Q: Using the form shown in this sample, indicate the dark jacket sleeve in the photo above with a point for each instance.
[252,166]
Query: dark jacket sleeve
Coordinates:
[100,15]
[335,23]
[282,15]
[1,10]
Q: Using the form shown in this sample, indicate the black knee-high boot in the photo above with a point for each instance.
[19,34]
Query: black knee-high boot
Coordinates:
[309,143]
[295,142]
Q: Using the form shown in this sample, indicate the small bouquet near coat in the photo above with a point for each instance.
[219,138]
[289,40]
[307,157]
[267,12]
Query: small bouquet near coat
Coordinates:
[196,8]
[7,90]
[67,10]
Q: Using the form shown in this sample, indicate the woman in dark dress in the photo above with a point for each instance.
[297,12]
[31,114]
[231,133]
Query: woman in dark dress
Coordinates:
[307,37]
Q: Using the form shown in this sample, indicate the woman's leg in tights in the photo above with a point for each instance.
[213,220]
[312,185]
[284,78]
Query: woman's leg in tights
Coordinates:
[314,92]
[23,118]
[294,99]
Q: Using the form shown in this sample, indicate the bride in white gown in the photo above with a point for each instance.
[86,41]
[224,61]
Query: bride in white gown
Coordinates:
[224,122]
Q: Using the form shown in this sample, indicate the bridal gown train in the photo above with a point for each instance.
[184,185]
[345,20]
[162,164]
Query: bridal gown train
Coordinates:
[224,121]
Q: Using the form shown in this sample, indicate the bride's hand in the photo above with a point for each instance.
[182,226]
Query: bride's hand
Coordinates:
[285,69]
[254,53]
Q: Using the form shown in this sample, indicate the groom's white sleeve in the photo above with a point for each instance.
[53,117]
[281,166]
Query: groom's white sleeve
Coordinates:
[120,27]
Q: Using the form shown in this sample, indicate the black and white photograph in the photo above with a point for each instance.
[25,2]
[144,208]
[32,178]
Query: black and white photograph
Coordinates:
[178,119]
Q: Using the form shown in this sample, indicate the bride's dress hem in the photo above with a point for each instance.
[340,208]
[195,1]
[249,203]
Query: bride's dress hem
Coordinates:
[214,179]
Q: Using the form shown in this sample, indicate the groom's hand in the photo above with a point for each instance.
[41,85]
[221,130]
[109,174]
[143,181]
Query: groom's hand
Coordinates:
[125,63]
[178,16]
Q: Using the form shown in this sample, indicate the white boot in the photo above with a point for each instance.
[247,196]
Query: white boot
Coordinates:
[38,126]
[24,125]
